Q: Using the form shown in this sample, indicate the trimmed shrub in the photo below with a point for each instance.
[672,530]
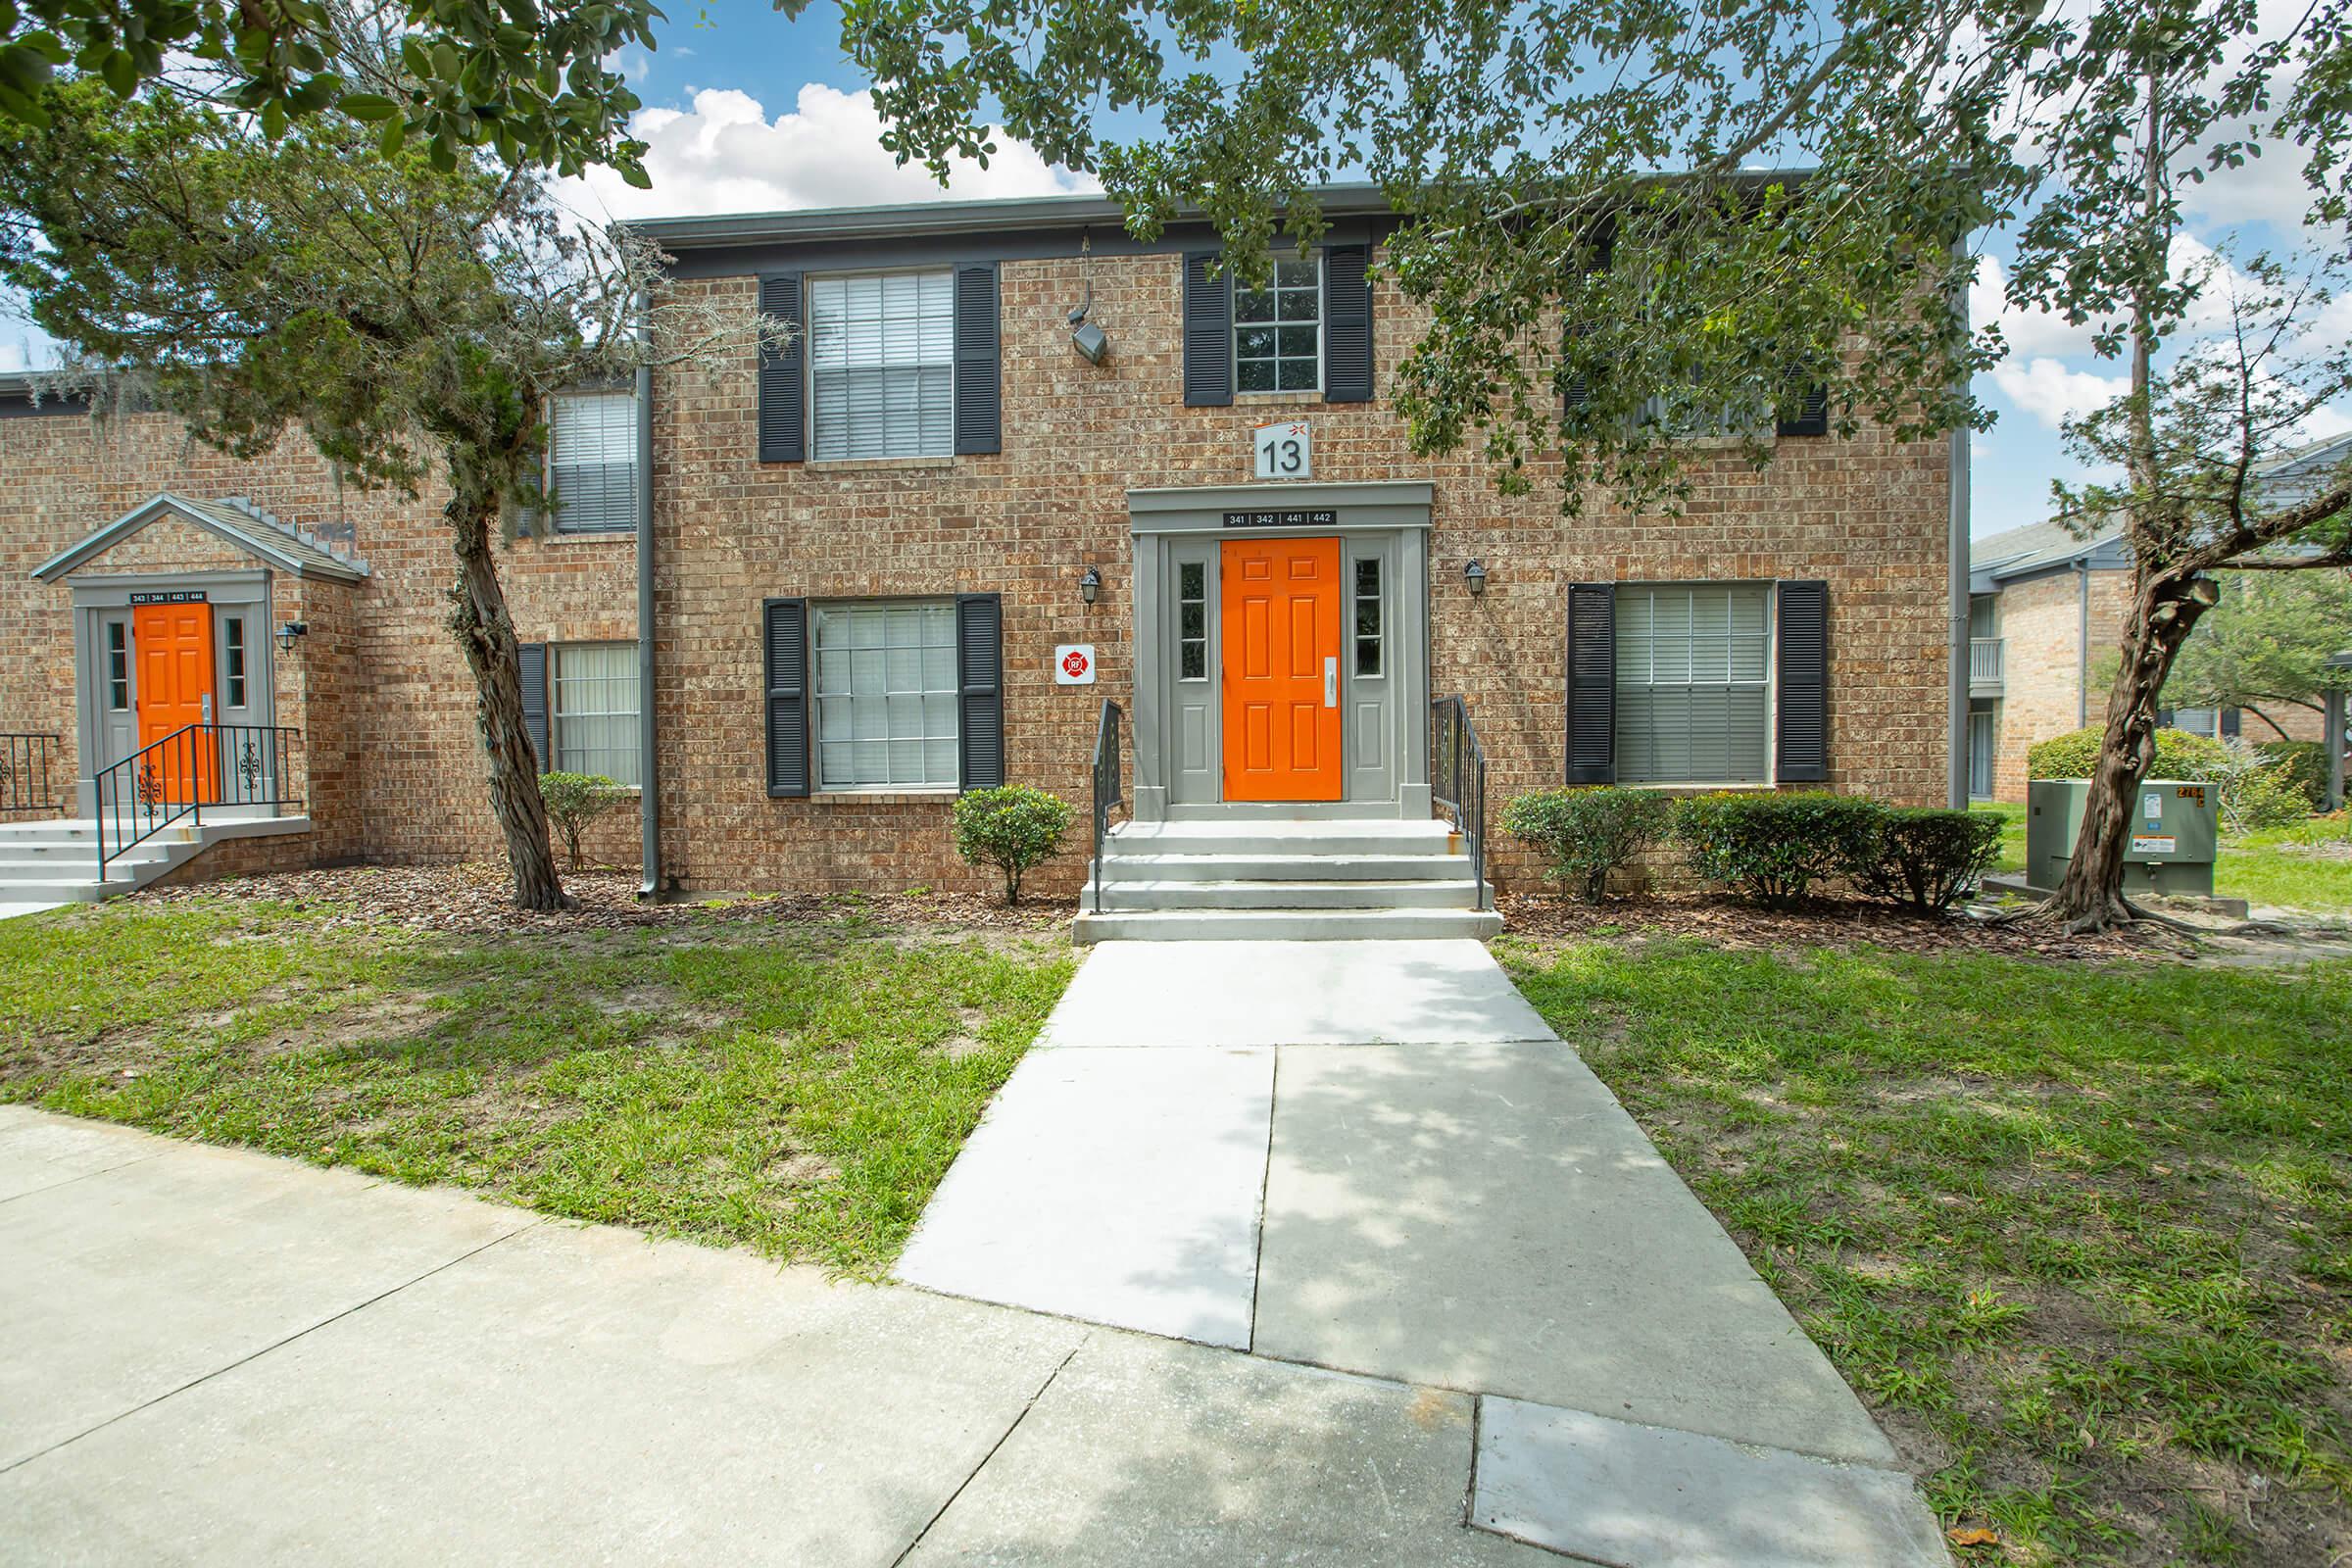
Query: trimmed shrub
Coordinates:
[2303,765]
[1772,848]
[575,799]
[1585,834]
[1011,827]
[2179,755]
[1927,856]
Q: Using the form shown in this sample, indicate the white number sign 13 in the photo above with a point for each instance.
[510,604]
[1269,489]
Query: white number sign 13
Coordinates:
[1284,451]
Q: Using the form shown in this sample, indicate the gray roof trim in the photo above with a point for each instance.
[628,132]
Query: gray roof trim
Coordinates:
[271,541]
[1000,214]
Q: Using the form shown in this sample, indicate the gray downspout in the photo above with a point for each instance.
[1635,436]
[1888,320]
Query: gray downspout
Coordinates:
[649,752]
[2083,642]
[1957,546]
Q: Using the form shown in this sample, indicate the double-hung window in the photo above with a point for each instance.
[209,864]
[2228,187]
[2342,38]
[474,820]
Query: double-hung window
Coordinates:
[882,365]
[594,713]
[1693,683]
[886,694]
[592,461]
[1278,330]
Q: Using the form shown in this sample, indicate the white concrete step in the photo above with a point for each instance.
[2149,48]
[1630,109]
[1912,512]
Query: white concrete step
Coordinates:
[62,890]
[1424,893]
[85,852]
[1126,866]
[1386,837]
[1284,925]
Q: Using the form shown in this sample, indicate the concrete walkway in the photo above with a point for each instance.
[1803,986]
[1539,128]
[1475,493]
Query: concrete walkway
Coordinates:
[1374,1157]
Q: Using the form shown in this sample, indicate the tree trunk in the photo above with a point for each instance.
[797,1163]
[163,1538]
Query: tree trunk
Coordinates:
[2165,606]
[2275,727]
[486,632]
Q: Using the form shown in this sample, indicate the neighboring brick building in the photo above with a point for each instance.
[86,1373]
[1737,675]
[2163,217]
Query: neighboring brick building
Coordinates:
[867,553]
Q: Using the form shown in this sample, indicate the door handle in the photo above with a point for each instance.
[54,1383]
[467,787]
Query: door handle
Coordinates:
[1331,681]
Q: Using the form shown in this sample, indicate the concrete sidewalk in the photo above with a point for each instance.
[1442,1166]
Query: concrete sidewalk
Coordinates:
[1374,1158]
[218,1358]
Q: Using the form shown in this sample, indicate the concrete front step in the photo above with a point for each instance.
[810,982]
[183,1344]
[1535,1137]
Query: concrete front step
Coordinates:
[1284,925]
[1277,838]
[1125,866]
[1425,894]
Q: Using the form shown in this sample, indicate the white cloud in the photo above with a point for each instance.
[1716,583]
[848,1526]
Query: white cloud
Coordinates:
[2028,330]
[2053,394]
[725,155]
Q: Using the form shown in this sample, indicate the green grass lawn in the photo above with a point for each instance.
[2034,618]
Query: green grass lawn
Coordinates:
[2081,1234]
[2306,867]
[797,1088]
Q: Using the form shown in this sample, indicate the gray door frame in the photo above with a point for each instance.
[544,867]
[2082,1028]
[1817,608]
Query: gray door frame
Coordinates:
[99,599]
[1387,521]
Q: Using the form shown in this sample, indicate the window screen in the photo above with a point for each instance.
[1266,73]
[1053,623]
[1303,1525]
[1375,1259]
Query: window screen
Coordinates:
[1278,330]
[592,461]
[1694,684]
[886,695]
[882,365]
[595,709]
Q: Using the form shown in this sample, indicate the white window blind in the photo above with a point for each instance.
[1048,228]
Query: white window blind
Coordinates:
[595,709]
[886,695]
[1694,684]
[592,461]
[882,365]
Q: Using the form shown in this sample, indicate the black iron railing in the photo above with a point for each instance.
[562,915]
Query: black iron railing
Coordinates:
[188,771]
[1108,795]
[1457,781]
[24,784]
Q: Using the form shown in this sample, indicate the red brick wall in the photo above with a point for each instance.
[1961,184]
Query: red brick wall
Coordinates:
[2041,688]
[1869,515]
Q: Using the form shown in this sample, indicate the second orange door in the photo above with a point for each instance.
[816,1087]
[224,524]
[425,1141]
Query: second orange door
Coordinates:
[175,644]
[1280,603]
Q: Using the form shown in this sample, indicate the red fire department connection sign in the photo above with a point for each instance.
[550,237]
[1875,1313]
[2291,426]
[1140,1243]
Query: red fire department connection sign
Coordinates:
[1074,664]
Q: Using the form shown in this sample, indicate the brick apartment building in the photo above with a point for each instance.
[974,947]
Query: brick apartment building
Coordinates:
[2047,607]
[802,602]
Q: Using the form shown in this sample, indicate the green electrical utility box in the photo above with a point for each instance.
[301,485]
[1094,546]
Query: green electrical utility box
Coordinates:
[2175,826]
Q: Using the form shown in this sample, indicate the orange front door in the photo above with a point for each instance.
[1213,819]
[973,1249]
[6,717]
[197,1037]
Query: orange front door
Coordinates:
[1280,601]
[175,649]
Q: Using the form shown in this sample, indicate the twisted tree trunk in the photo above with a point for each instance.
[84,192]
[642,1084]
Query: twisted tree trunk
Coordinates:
[479,615]
[2166,605]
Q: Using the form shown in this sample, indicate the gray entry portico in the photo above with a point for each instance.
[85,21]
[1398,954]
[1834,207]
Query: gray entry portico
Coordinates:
[1383,683]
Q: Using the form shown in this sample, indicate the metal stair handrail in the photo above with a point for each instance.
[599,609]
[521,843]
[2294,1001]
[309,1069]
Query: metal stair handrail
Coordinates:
[177,775]
[1107,794]
[1457,781]
[24,771]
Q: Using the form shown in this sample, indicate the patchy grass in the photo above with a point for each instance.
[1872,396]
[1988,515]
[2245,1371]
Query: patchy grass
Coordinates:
[2305,866]
[2080,1233]
[797,1088]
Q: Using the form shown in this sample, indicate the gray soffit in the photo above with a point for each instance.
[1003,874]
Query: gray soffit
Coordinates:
[240,522]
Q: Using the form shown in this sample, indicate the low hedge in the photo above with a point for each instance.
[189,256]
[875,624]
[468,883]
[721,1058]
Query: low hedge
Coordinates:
[2075,755]
[1772,848]
[1585,834]
[1011,827]
[1927,856]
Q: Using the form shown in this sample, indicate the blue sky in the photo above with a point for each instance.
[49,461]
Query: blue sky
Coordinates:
[748,110]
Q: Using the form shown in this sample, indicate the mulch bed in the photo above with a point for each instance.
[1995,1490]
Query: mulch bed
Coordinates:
[474,898]
[1725,923]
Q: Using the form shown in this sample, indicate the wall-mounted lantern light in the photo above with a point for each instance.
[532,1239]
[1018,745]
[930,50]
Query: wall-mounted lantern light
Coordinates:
[1090,585]
[1474,573]
[289,632]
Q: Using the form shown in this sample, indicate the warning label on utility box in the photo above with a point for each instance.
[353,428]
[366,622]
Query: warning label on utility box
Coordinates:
[2154,844]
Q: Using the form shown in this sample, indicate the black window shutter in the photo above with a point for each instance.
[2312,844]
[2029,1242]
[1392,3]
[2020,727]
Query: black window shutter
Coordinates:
[532,658]
[1207,332]
[2233,726]
[1347,324]
[783,395]
[1811,415]
[980,687]
[979,373]
[1592,683]
[784,635]
[1803,699]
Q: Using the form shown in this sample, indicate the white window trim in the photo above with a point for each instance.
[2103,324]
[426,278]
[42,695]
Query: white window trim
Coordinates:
[1771,689]
[557,529]
[1322,319]
[808,379]
[819,789]
[554,706]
